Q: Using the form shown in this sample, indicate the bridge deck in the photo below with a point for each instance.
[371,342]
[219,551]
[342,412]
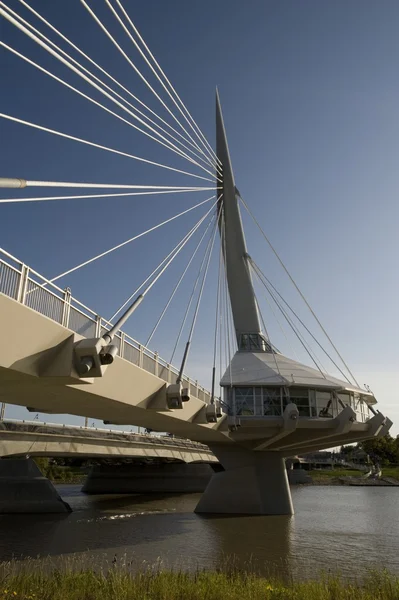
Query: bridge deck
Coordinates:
[36,327]
[31,289]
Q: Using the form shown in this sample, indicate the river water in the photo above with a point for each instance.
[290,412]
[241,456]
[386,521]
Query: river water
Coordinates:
[345,529]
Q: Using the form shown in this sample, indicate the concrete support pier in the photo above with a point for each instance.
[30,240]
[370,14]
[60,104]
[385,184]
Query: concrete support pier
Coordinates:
[23,489]
[143,479]
[253,483]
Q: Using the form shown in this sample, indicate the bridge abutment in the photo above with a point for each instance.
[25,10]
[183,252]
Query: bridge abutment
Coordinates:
[23,489]
[146,479]
[253,483]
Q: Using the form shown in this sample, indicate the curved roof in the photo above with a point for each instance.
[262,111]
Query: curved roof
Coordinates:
[266,368]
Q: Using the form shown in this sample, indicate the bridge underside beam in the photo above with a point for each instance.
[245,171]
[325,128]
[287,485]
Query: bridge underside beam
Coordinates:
[146,479]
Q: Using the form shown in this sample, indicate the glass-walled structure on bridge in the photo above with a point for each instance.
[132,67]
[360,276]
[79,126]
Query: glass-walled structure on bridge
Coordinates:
[265,401]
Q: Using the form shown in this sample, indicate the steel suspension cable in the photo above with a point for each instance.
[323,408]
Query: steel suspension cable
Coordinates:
[87,57]
[198,303]
[40,34]
[292,349]
[167,80]
[23,183]
[268,337]
[101,147]
[88,196]
[263,276]
[132,239]
[99,22]
[178,284]
[297,288]
[163,265]
[189,302]
[153,70]
[221,372]
[226,284]
[227,326]
[292,325]
[67,63]
[216,327]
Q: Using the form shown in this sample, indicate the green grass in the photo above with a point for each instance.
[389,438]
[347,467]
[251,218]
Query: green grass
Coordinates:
[58,474]
[325,473]
[391,471]
[119,584]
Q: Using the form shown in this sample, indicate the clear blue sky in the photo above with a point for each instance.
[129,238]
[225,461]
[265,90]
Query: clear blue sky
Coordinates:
[310,94]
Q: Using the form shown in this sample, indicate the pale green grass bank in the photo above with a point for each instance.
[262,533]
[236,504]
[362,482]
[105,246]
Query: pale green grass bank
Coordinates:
[163,585]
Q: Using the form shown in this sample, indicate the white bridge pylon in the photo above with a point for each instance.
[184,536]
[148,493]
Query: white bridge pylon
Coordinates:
[57,356]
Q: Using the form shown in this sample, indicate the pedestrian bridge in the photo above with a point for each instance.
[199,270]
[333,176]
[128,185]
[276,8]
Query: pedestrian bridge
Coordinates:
[37,371]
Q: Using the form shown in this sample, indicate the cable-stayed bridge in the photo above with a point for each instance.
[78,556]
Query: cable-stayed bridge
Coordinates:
[62,357]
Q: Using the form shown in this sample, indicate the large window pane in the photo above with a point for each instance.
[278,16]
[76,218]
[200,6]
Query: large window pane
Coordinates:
[324,404]
[258,402]
[272,401]
[300,397]
[244,401]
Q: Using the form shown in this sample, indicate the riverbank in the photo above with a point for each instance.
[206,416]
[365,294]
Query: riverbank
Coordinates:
[390,477]
[155,584]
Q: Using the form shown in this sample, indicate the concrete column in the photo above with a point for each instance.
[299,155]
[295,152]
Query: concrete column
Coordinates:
[23,489]
[253,483]
[146,479]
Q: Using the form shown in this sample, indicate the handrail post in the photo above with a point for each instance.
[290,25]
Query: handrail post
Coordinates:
[122,345]
[141,356]
[66,307]
[23,284]
[98,326]
[156,364]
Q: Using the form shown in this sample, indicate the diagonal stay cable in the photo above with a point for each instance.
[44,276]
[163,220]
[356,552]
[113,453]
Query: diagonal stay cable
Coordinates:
[267,281]
[23,183]
[215,339]
[211,159]
[189,303]
[292,349]
[198,303]
[67,63]
[167,80]
[91,74]
[87,57]
[163,266]
[100,23]
[107,110]
[297,288]
[132,239]
[100,146]
[88,196]
[174,291]
[291,324]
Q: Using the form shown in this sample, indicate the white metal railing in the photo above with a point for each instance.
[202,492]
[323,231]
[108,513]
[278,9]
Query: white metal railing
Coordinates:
[23,284]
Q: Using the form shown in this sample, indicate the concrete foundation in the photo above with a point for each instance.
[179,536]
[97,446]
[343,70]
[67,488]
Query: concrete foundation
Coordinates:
[23,489]
[144,479]
[253,483]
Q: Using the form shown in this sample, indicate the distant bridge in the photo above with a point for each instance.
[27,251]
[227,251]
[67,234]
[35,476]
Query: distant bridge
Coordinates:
[22,438]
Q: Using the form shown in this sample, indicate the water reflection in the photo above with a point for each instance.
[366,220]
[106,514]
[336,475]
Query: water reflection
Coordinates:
[259,543]
[334,528]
